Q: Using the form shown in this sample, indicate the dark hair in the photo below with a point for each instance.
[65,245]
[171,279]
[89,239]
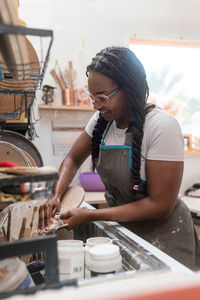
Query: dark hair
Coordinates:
[124,68]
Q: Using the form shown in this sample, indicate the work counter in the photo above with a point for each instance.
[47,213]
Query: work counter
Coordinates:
[141,260]
[157,271]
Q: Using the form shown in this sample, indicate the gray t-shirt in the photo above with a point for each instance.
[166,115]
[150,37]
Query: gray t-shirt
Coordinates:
[162,139]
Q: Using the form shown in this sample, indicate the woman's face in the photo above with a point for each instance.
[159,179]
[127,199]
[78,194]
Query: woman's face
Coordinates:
[118,107]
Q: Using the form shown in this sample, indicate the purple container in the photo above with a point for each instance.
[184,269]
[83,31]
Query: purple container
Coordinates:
[91,181]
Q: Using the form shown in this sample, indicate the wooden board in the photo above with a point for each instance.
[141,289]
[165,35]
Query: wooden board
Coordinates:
[30,158]
[10,103]
[72,198]
[13,47]
[28,170]
[23,143]
[12,153]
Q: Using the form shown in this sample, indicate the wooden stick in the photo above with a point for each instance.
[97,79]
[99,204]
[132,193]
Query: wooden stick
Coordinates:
[33,216]
[9,225]
[21,233]
[4,234]
[57,79]
[62,79]
[69,128]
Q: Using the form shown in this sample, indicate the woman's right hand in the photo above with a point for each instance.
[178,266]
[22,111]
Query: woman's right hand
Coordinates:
[47,212]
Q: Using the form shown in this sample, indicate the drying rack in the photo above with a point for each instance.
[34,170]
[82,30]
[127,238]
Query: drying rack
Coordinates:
[22,91]
[47,245]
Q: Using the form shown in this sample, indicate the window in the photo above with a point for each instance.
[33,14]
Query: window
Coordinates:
[173,75]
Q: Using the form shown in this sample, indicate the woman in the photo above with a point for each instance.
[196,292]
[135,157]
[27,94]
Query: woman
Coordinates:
[138,150]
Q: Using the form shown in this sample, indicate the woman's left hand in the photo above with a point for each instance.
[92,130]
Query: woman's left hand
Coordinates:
[74,217]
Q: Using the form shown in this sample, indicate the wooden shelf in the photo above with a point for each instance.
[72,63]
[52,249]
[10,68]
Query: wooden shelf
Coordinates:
[64,107]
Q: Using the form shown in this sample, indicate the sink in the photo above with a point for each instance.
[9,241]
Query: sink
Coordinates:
[134,256]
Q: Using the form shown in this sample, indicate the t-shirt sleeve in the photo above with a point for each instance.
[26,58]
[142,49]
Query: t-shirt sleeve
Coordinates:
[165,141]
[91,124]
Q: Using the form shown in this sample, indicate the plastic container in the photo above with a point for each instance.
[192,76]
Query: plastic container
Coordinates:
[14,275]
[92,242]
[91,181]
[104,259]
[70,259]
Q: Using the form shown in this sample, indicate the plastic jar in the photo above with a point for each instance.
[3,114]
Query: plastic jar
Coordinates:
[92,242]
[70,259]
[14,275]
[104,259]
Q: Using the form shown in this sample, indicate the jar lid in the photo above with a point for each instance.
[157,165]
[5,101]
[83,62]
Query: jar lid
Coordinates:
[8,266]
[104,251]
[69,243]
[98,240]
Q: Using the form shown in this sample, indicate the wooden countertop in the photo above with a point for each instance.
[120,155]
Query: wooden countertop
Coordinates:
[95,198]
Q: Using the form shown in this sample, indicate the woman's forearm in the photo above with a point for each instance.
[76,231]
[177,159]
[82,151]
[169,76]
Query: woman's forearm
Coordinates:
[142,210]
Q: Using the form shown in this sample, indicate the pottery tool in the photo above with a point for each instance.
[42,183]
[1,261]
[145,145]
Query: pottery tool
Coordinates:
[4,234]
[27,231]
[34,234]
[9,225]
[33,216]
[7,217]
[61,76]
[22,229]
[70,74]
[72,198]
[4,218]
[57,79]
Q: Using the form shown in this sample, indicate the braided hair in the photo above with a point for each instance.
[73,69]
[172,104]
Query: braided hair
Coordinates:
[122,66]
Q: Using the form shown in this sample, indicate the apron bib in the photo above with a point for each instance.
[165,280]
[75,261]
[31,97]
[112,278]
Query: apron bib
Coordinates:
[174,235]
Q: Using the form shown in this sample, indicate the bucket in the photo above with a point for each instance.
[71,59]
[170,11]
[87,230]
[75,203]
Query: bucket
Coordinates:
[70,259]
[104,259]
[92,242]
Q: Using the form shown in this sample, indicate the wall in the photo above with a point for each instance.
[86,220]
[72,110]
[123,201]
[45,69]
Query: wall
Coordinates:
[101,23]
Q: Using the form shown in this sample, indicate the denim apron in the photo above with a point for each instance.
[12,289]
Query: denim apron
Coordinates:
[174,235]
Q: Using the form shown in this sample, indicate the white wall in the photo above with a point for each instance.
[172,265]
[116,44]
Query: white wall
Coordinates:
[108,22]
[102,23]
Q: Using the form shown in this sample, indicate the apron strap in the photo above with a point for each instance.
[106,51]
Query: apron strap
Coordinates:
[128,139]
[106,131]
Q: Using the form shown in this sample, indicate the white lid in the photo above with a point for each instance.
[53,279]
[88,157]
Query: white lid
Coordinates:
[104,251]
[70,243]
[98,240]
[8,266]
[12,273]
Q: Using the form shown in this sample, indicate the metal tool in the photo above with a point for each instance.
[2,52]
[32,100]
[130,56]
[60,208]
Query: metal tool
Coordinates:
[4,218]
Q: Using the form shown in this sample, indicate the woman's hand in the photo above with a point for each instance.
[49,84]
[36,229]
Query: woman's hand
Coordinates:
[48,211]
[74,217]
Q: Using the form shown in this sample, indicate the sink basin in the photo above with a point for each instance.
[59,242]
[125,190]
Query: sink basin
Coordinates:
[134,256]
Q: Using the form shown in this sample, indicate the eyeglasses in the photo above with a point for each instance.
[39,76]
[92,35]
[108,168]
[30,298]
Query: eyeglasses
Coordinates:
[102,99]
